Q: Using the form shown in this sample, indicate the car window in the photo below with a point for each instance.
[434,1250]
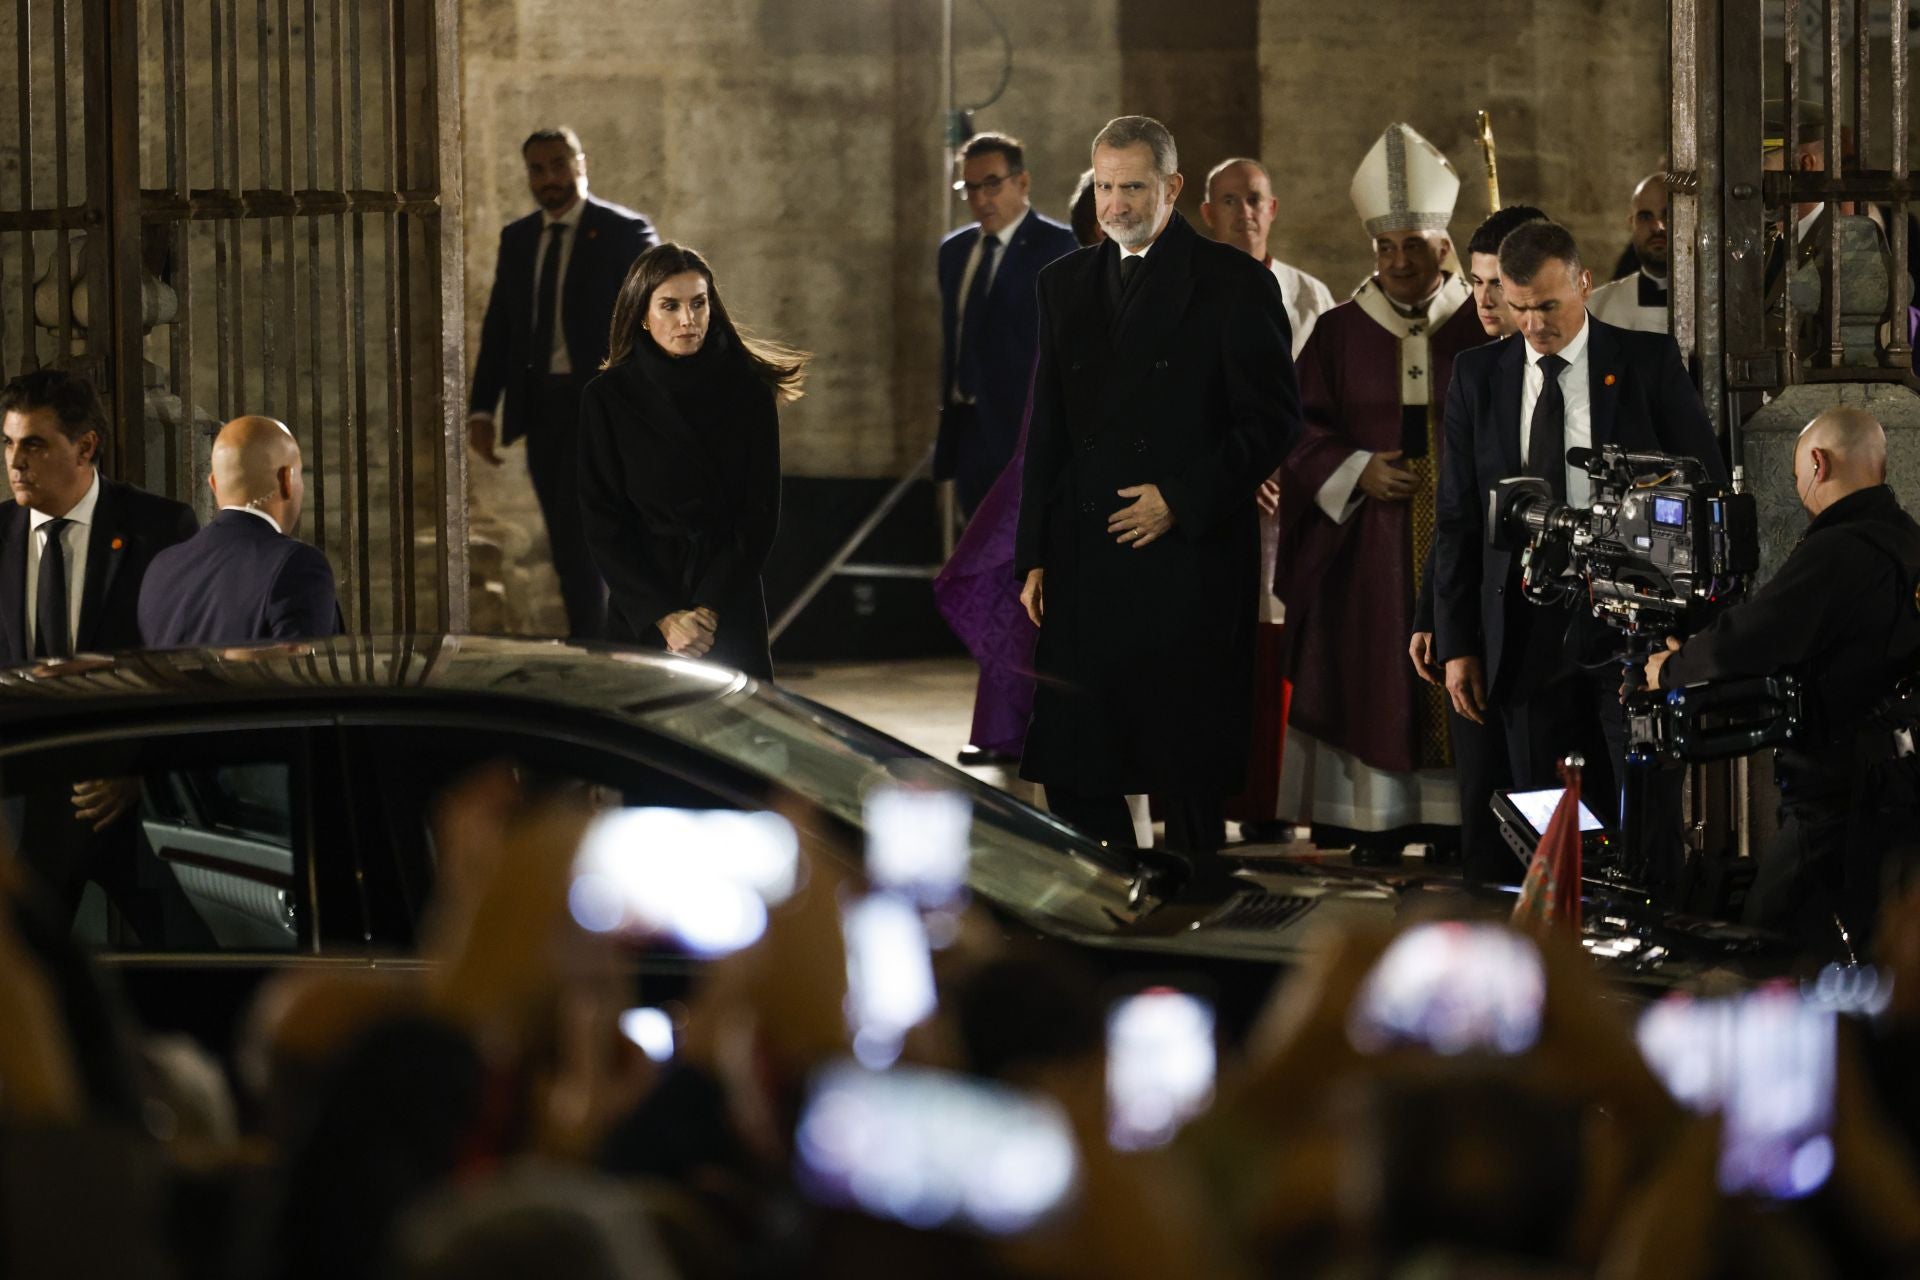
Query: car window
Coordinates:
[1024,860]
[164,843]
[409,768]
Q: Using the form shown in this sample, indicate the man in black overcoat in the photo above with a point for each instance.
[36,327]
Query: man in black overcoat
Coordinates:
[1164,396]
[545,334]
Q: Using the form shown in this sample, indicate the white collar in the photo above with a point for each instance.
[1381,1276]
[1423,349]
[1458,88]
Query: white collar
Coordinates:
[255,511]
[570,219]
[82,512]
[1571,353]
[1006,234]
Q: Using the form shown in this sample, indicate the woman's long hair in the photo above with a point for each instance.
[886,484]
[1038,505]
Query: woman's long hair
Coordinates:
[781,367]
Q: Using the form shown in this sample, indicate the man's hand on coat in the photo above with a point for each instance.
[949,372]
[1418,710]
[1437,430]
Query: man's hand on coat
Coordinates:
[1420,650]
[481,436]
[1383,481]
[690,632]
[1033,595]
[1143,520]
[1467,687]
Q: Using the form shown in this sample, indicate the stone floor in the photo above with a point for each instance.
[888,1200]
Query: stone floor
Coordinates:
[928,703]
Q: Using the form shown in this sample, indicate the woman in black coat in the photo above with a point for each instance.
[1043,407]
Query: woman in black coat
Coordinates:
[680,465]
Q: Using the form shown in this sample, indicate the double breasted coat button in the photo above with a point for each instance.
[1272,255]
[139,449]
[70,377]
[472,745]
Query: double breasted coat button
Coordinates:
[1159,364]
[1086,508]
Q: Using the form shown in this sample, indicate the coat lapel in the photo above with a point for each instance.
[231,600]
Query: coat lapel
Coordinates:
[1087,328]
[1507,386]
[1158,302]
[1603,380]
[13,584]
[106,547]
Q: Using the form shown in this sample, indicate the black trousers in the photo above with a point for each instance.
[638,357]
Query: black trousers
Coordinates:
[1196,825]
[1480,769]
[972,460]
[553,460]
[1582,713]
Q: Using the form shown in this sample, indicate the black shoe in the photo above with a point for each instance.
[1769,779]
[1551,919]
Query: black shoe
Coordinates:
[973,757]
[1271,831]
[1378,854]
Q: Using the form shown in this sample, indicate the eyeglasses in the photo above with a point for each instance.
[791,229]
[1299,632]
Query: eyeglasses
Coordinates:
[991,186]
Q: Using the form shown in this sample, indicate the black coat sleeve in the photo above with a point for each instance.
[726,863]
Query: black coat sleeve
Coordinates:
[1460,527]
[1423,603]
[613,525]
[1048,449]
[1263,405]
[301,605]
[490,367]
[729,574]
[1794,616]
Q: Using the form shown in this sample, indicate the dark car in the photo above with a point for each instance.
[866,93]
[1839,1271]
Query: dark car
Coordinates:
[286,793]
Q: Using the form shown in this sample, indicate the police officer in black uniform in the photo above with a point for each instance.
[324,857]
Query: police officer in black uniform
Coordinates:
[1842,614]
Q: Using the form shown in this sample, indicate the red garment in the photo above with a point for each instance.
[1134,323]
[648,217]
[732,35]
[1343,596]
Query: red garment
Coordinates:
[1550,895]
[1349,587]
[1260,801]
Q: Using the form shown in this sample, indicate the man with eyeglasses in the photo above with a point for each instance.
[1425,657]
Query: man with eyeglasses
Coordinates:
[989,319]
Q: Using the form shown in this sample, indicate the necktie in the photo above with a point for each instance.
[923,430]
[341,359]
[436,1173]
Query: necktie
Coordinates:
[50,638]
[543,315]
[974,319]
[1129,267]
[1547,434]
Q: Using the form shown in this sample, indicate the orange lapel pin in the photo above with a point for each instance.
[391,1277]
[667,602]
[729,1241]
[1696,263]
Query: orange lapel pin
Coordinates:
[1610,379]
[118,543]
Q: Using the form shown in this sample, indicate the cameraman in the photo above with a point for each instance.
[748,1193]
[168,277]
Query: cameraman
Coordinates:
[1842,615]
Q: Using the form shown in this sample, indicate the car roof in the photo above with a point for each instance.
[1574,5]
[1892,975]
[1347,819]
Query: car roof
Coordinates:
[584,676]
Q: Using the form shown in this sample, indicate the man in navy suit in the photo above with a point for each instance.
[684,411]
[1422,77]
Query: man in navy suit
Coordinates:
[544,336]
[245,576]
[74,549]
[989,315]
[1515,408]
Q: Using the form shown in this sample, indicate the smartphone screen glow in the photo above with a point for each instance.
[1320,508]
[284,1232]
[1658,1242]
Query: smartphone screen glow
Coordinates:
[1161,1061]
[1452,987]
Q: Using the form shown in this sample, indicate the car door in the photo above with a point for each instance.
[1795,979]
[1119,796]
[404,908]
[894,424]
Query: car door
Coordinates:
[404,761]
[222,865]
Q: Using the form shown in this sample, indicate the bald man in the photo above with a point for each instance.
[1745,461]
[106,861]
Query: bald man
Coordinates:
[1842,613]
[245,576]
[1639,301]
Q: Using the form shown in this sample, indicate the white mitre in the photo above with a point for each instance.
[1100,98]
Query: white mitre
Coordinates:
[1404,184]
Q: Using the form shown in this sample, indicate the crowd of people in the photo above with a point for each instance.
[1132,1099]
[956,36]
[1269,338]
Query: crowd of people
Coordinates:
[485,1115]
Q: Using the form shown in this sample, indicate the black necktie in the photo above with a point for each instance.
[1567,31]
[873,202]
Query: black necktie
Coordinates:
[967,376]
[1547,435]
[1129,268]
[543,317]
[50,638]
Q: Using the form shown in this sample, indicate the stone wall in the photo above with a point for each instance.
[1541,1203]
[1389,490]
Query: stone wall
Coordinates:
[1577,90]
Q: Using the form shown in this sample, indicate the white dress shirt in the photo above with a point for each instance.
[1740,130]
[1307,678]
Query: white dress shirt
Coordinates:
[559,360]
[255,511]
[75,539]
[1577,391]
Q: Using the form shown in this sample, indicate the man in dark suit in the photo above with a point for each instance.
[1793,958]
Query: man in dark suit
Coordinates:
[245,576]
[74,547]
[1164,395]
[544,336]
[989,317]
[1516,408]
